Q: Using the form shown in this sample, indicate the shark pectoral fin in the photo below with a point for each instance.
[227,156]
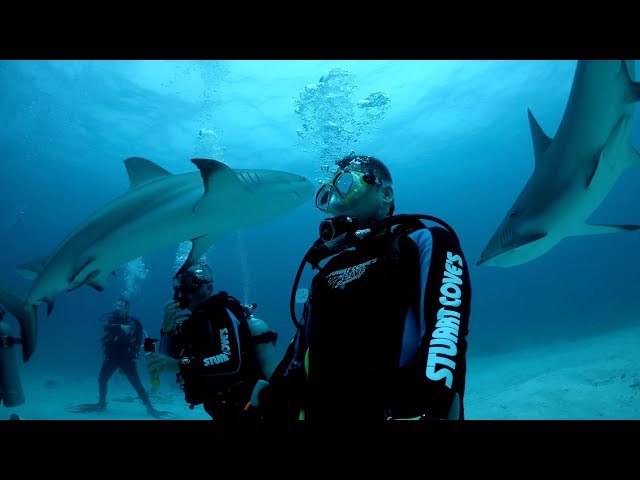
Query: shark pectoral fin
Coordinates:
[598,229]
[219,181]
[541,140]
[532,237]
[141,171]
[632,93]
[610,162]
[50,301]
[99,281]
[74,283]
[30,270]
[199,247]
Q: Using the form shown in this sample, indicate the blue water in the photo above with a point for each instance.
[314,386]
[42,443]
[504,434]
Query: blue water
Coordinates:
[455,135]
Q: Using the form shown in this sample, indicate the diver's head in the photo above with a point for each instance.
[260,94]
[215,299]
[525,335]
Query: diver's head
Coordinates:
[193,286]
[361,188]
[121,307]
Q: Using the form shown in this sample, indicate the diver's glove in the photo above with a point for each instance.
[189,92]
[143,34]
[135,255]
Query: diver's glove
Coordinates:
[172,316]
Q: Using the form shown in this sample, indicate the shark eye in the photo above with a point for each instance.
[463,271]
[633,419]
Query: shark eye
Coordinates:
[514,213]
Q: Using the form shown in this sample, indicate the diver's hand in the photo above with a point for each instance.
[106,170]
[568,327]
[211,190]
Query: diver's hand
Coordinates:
[126,329]
[172,314]
[158,362]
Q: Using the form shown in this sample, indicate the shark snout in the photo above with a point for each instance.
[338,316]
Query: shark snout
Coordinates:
[483,260]
[304,189]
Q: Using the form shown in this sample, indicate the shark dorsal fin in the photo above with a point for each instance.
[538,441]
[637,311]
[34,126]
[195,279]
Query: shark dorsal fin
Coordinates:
[541,140]
[213,171]
[632,88]
[219,179]
[141,171]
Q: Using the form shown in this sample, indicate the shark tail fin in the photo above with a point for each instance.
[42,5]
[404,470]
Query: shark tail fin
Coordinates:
[633,88]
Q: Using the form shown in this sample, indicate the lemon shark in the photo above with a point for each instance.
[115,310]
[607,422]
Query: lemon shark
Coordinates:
[575,170]
[160,209]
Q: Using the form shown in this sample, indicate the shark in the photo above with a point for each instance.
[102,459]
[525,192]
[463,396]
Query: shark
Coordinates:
[159,209]
[574,170]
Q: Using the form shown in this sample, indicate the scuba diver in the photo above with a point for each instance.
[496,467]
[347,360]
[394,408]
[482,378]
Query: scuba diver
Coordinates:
[384,325]
[11,393]
[121,347]
[219,350]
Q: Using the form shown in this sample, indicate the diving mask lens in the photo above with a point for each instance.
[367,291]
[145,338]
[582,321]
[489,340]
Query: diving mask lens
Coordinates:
[344,183]
[322,198]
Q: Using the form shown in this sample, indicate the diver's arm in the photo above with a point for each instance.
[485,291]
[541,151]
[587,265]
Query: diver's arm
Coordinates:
[137,330]
[169,331]
[108,325]
[265,345]
[444,311]
[172,316]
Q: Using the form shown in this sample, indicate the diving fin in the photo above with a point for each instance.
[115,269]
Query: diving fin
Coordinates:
[160,414]
[86,407]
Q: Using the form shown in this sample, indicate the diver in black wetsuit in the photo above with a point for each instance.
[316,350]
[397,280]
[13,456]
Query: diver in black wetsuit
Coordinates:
[383,331]
[121,346]
[219,350]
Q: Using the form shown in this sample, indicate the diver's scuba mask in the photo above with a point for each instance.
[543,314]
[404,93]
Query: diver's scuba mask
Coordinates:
[346,184]
[185,285]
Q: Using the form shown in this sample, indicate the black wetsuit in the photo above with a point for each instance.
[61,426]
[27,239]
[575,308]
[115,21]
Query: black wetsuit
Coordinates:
[383,336]
[219,367]
[121,351]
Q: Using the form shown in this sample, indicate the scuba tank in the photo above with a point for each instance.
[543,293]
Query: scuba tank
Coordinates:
[10,386]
